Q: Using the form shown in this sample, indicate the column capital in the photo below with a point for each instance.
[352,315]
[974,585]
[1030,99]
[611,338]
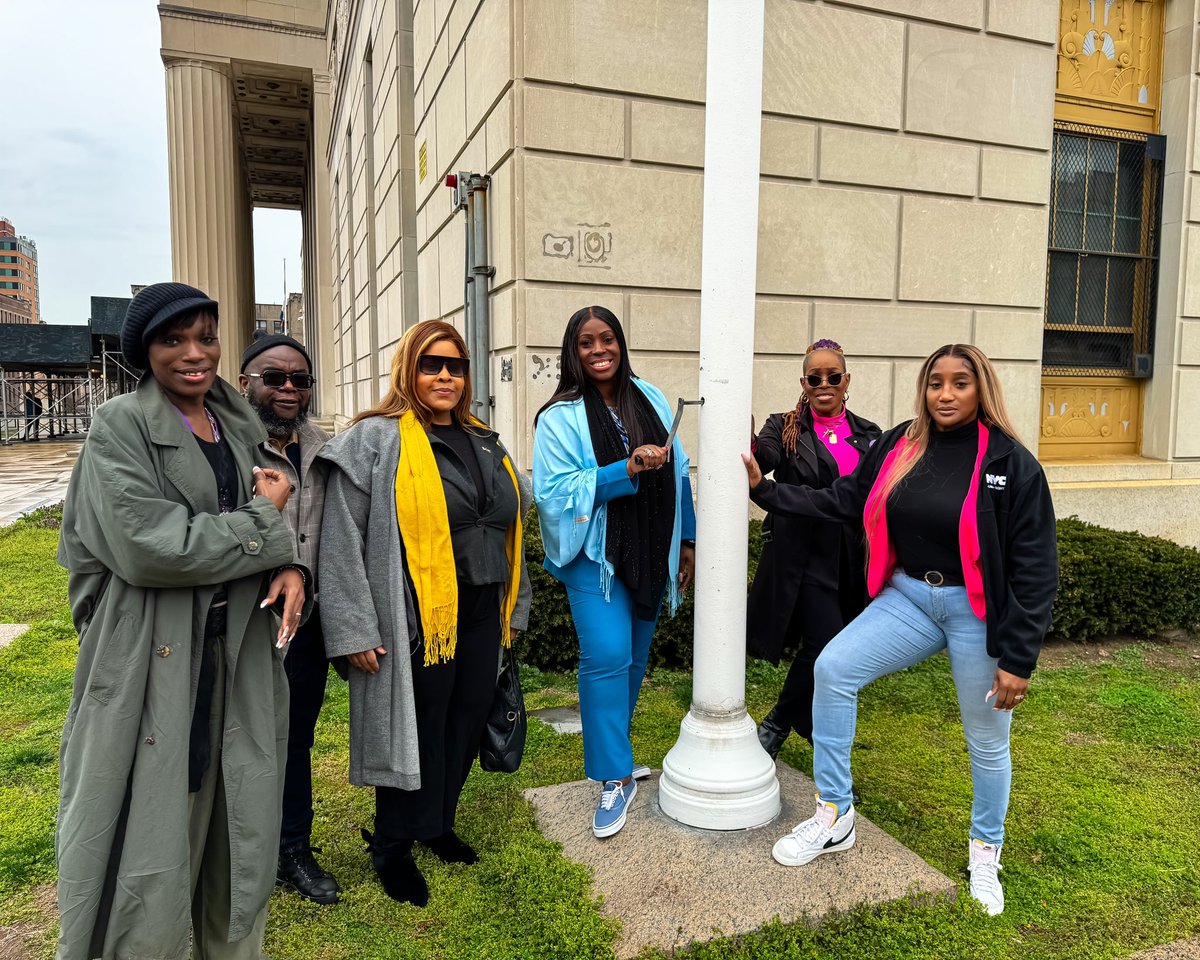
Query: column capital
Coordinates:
[173,62]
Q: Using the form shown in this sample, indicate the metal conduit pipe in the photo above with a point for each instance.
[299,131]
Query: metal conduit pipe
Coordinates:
[481,274]
[470,196]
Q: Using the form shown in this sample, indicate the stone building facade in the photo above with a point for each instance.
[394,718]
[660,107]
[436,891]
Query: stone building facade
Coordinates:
[919,169]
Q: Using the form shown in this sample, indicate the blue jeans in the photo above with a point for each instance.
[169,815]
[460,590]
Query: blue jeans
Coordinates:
[614,645]
[906,623]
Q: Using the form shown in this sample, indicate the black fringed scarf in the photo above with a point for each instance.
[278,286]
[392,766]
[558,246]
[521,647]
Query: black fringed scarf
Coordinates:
[638,537]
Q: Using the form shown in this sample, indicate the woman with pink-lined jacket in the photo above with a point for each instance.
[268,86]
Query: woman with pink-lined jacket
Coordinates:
[962,557]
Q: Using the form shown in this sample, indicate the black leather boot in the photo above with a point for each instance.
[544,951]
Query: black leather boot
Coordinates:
[401,877]
[450,848]
[772,734]
[298,870]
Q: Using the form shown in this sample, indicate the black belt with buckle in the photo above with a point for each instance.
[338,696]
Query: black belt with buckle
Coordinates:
[935,578]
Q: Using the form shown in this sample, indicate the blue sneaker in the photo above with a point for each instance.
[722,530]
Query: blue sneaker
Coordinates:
[614,803]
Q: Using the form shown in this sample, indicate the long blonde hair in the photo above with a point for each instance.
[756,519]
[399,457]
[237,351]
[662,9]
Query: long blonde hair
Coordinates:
[401,396]
[992,412]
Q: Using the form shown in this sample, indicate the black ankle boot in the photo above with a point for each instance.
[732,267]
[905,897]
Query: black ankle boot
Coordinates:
[298,870]
[449,848]
[398,872]
[772,734]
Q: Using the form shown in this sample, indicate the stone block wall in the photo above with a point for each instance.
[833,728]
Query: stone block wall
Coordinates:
[905,174]
[904,171]
[1171,429]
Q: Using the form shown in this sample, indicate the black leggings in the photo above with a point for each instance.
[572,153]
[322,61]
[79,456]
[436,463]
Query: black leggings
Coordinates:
[452,703]
[816,619]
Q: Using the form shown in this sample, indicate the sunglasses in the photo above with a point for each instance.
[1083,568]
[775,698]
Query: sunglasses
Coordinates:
[815,380]
[431,365]
[277,378]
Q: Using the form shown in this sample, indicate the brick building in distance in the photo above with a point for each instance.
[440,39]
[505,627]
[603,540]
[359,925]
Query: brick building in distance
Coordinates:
[18,276]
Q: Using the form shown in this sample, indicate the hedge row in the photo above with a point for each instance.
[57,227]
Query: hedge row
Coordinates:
[1110,583]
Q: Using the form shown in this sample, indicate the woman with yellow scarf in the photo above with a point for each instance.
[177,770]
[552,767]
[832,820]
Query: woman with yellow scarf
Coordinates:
[422,581]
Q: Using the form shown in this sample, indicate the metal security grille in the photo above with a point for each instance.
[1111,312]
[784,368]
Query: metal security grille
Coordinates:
[1102,272]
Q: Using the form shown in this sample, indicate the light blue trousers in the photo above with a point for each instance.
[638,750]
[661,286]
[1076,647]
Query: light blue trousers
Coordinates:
[906,623]
[614,646]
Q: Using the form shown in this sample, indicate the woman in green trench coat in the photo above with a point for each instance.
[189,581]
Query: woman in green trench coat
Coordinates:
[173,751]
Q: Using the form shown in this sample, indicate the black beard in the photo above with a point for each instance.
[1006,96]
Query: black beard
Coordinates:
[280,427]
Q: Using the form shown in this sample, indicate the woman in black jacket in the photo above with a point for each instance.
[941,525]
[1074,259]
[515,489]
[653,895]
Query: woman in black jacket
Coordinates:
[963,558]
[810,581]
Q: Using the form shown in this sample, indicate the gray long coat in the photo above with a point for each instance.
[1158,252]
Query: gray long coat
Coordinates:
[146,547]
[366,603]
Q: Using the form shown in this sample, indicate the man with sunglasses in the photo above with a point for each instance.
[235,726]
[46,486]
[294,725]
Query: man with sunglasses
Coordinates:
[277,381]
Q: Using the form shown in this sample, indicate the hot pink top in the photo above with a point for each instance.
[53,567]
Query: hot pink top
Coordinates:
[834,432]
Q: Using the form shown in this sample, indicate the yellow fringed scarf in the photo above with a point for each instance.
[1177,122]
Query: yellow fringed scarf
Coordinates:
[425,532]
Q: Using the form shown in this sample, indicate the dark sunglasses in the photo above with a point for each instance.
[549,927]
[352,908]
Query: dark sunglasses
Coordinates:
[277,378]
[431,365]
[815,380]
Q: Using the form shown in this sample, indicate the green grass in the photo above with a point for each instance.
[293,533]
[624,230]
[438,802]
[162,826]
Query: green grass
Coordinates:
[1099,862]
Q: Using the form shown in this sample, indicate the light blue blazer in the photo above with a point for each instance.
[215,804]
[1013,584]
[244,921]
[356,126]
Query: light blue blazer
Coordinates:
[572,494]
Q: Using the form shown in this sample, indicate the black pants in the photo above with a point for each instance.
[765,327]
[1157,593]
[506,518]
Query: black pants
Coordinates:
[307,670]
[816,619]
[452,702]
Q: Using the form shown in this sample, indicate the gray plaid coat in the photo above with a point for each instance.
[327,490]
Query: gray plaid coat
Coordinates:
[307,503]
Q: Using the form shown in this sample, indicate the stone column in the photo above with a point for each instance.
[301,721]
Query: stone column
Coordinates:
[209,201]
[320,314]
[717,775]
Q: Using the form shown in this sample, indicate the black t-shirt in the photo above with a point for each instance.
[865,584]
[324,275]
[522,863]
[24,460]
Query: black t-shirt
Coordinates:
[220,458]
[923,512]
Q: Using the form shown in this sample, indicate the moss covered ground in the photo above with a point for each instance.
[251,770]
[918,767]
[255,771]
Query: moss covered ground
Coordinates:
[1100,859]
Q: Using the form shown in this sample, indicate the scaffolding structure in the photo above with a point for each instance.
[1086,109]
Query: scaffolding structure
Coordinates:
[53,378]
[50,404]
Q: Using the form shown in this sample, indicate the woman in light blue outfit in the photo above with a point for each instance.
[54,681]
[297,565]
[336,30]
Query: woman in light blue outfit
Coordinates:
[619,528]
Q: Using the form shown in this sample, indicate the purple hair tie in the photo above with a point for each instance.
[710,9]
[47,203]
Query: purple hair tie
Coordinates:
[825,345]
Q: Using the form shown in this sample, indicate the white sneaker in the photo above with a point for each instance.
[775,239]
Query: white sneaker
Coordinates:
[823,832]
[985,880]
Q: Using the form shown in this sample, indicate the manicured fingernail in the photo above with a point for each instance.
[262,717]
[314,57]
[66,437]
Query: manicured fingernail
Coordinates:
[264,605]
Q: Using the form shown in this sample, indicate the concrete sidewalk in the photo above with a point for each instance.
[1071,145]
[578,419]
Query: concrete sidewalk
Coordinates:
[670,885]
[34,475]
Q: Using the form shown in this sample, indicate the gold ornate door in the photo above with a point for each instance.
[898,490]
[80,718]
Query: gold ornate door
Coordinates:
[1102,258]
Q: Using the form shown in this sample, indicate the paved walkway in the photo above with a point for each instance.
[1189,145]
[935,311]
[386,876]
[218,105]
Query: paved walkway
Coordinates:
[34,475]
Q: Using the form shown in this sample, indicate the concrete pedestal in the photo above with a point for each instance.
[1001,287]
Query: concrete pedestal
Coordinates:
[670,884]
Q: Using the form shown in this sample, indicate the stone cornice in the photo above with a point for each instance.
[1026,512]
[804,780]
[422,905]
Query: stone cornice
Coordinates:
[239,20]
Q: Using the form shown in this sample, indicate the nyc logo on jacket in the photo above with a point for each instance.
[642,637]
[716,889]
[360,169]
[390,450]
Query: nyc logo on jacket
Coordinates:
[996,481]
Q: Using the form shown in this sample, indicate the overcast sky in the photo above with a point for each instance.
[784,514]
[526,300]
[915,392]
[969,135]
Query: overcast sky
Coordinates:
[83,155]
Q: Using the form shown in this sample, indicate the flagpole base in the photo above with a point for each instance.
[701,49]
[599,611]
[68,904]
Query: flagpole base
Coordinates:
[718,776]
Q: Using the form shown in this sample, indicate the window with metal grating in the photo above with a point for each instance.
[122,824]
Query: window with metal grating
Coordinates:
[1102,272]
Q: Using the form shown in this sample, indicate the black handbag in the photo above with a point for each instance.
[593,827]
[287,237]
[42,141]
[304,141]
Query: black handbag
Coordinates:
[503,740]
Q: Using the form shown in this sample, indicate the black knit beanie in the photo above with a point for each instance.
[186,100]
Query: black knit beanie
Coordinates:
[152,310]
[265,341]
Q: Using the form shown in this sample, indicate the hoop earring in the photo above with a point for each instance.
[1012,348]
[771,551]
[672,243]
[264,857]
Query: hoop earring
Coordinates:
[804,398]
[845,399]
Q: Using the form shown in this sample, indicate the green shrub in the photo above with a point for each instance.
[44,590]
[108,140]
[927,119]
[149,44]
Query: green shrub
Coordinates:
[1110,583]
[550,641]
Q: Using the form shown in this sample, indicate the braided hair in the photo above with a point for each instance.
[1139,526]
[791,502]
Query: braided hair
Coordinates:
[791,419]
